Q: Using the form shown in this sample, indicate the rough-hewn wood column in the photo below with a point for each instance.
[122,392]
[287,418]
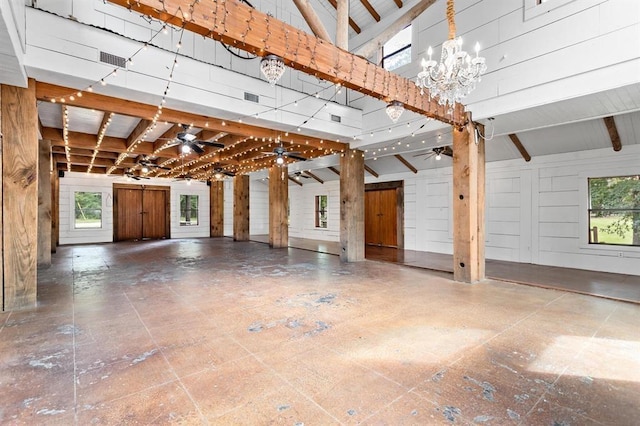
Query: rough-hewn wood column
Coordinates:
[44,204]
[278,203]
[352,206]
[342,24]
[19,195]
[241,208]
[216,206]
[55,209]
[468,204]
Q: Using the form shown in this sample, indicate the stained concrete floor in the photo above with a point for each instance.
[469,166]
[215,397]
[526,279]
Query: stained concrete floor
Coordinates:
[208,331]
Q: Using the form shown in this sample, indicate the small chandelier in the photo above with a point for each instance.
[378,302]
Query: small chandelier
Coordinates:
[457,73]
[272,67]
[395,110]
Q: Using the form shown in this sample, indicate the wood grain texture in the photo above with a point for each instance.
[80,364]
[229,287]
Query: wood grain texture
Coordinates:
[241,208]
[481,200]
[216,208]
[613,133]
[1,209]
[55,211]
[278,204]
[352,206]
[20,195]
[467,209]
[44,204]
[256,32]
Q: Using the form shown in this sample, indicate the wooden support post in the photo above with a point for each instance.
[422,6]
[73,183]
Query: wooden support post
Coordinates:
[468,204]
[216,207]
[278,203]
[19,196]
[342,24]
[55,210]
[352,206]
[241,208]
[44,204]
[312,19]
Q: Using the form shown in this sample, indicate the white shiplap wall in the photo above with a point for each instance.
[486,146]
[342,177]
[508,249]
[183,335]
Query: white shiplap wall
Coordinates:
[535,212]
[302,210]
[82,182]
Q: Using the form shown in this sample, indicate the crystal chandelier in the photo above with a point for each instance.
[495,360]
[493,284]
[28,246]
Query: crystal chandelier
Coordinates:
[395,110]
[272,67]
[457,73]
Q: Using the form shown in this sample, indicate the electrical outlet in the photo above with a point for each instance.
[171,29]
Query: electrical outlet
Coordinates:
[620,254]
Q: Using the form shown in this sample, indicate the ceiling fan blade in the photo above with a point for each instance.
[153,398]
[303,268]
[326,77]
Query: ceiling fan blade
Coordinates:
[447,151]
[195,147]
[268,153]
[295,156]
[228,173]
[210,143]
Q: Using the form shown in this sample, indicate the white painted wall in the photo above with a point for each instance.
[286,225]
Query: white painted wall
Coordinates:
[302,210]
[82,182]
[258,207]
[535,212]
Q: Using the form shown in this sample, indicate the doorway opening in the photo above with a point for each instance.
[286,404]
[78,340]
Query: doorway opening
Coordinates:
[384,214]
[141,212]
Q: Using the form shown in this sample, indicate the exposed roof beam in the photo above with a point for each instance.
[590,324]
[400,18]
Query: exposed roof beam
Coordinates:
[334,170]
[523,151]
[371,47]
[352,23]
[613,133]
[258,33]
[59,149]
[166,138]
[406,163]
[374,14]
[46,92]
[311,18]
[136,135]
[398,3]
[371,171]
[308,173]
[342,24]
[295,180]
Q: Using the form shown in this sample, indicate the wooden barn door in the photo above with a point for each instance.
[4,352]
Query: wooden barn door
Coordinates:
[140,212]
[383,214]
[154,218]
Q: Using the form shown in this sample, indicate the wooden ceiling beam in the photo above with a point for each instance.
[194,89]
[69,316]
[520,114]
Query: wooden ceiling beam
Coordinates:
[59,149]
[398,3]
[311,18]
[334,170]
[371,171]
[308,173]
[46,92]
[352,23]
[518,144]
[613,133]
[258,33]
[407,164]
[138,133]
[372,11]
[368,49]
[98,162]
[294,180]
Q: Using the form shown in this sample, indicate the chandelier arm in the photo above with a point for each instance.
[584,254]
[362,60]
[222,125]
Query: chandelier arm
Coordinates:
[451,19]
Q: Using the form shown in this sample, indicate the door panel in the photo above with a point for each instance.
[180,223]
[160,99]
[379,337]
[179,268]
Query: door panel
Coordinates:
[381,226]
[154,214]
[128,214]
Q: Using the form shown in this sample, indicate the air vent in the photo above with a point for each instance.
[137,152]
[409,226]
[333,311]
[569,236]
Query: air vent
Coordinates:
[110,59]
[251,97]
[336,118]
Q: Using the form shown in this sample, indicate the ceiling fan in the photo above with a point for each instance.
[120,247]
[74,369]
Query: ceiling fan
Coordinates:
[280,152]
[146,165]
[131,175]
[220,173]
[298,175]
[437,152]
[190,142]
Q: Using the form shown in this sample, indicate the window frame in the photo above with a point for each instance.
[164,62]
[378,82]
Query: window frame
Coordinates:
[75,210]
[189,209]
[590,210]
[321,213]
[397,51]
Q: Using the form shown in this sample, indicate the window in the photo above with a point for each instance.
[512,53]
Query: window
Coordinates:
[397,51]
[321,211]
[614,210]
[188,210]
[88,207]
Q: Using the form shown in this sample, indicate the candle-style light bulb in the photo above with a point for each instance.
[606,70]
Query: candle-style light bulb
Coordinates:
[477,48]
[429,52]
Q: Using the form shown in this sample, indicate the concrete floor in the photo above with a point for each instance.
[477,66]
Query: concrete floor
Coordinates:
[208,331]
